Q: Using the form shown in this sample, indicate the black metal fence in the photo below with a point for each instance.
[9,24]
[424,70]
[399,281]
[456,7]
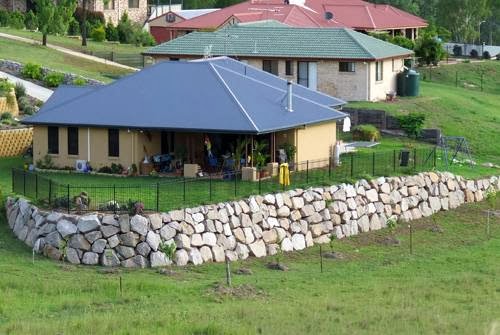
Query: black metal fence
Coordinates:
[470,80]
[171,193]
[130,59]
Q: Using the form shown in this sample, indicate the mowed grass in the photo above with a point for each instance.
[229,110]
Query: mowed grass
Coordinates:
[25,52]
[76,44]
[457,112]
[448,286]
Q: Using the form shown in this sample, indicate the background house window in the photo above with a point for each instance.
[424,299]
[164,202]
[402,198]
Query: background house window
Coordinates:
[113,143]
[307,74]
[53,140]
[110,4]
[347,67]
[72,141]
[289,68]
[379,71]
[133,3]
[270,66]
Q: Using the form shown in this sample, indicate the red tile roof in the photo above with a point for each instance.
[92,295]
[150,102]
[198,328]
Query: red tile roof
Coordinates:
[354,14]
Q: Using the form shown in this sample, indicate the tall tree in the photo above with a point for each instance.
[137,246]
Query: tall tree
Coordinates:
[84,23]
[53,17]
[462,17]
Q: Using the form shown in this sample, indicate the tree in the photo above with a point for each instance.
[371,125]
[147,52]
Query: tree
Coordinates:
[462,17]
[54,17]
[429,48]
[84,23]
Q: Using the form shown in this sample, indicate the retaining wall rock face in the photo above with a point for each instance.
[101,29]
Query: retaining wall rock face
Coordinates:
[257,226]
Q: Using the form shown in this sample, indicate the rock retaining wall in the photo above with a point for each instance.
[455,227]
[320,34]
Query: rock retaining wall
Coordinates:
[257,226]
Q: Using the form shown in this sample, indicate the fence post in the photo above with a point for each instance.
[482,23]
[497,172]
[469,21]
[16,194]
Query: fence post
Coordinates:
[112,56]
[184,189]
[260,186]
[352,165]
[24,182]
[415,159]
[482,75]
[143,61]
[435,157]
[456,79]
[157,196]
[114,198]
[394,160]
[67,196]
[235,183]
[373,164]
[330,167]
[36,186]
[307,172]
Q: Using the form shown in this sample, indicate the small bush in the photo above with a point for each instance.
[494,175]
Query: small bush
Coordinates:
[45,163]
[16,20]
[31,21]
[98,34]
[412,124]
[498,57]
[125,30]
[32,71]
[365,132]
[30,110]
[73,27]
[53,79]
[111,32]
[20,90]
[23,102]
[457,50]
[79,82]
[403,42]
[486,55]
[474,53]
[116,168]
[4,18]
[6,116]
[105,169]
[143,38]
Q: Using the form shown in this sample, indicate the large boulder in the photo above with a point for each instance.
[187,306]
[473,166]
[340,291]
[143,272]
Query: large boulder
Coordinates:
[298,241]
[109,258]
[258,248]
[153,239]
[139,224]
[78,241]
[90,258]
[88,223]
[66,228]
[181,257]
[158,259]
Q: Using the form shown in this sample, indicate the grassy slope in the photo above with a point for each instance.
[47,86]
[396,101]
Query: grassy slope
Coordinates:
[449,286]
[458,112]
[24,52]
[76,44]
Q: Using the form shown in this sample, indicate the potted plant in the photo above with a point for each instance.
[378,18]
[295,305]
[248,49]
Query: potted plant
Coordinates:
[260,157]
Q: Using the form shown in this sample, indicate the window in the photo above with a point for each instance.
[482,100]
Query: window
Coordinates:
[270,66]
[113,143]
[307,74]
[167,142]
[347,67]
[379,71]
[133,3]
[53,137]
[110,4]
[289,68]
[174,59]
[72,141]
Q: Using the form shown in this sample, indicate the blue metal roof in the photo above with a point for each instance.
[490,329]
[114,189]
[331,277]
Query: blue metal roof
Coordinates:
[213,95]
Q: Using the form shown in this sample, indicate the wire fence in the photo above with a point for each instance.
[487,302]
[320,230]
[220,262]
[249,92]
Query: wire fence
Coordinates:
[471,80]
[130,59]
[185,192]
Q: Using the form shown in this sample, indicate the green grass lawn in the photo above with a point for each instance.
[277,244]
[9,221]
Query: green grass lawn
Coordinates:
[448,286]
[76,44]
[458,112]
[24,52]
[466,75]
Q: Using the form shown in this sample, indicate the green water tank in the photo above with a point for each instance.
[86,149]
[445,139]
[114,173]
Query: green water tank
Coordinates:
[412,84]
[401,84]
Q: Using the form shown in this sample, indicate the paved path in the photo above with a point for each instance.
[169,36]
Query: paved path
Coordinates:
[69,51]
[34,90]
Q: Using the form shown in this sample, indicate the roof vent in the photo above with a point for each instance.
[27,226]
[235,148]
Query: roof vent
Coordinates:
[328,15]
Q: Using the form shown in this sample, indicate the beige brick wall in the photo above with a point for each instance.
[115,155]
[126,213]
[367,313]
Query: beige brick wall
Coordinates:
[389,83]
[19,5]
[138,15]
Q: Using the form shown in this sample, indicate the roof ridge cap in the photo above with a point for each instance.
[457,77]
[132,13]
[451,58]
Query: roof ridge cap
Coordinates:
[351,35]
[233,96]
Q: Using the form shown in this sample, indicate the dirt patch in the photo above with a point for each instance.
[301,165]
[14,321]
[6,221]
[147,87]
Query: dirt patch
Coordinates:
[390,241]
[333,255]
[246,291]
[277,266]
[436,229]
[244,272]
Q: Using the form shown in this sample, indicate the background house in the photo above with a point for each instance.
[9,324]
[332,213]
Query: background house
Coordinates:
[337,61]
[355,14]
[150,113]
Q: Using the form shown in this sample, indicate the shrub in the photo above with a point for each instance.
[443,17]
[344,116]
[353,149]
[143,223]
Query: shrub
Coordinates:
[20,90]
[142,37]
[403,42]
[4,18]
[457,50]
[6,116]
[498,57]
[125,30]
[16,20]
[73,27]
[79,81]
[365,132]
[474,53]
[30,110]
[105,169]
[31,21]
[32,71]
[53,79]
[94,18]
[429,49]
[23,102]
[98,34]
[486,55]
[45,162]
[111,32]
[412,124]
[116,168]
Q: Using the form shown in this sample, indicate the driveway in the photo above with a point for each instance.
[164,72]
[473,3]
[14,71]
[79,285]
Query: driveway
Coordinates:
[34,90]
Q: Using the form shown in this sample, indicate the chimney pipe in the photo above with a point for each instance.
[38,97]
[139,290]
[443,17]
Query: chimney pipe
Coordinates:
[289,106]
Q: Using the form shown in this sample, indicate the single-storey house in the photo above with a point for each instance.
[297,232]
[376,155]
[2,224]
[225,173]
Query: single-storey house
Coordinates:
[359,15]
[176,108]
[337,61]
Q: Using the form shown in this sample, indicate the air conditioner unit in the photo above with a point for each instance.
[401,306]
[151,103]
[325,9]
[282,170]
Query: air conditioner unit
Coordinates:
[81,165]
